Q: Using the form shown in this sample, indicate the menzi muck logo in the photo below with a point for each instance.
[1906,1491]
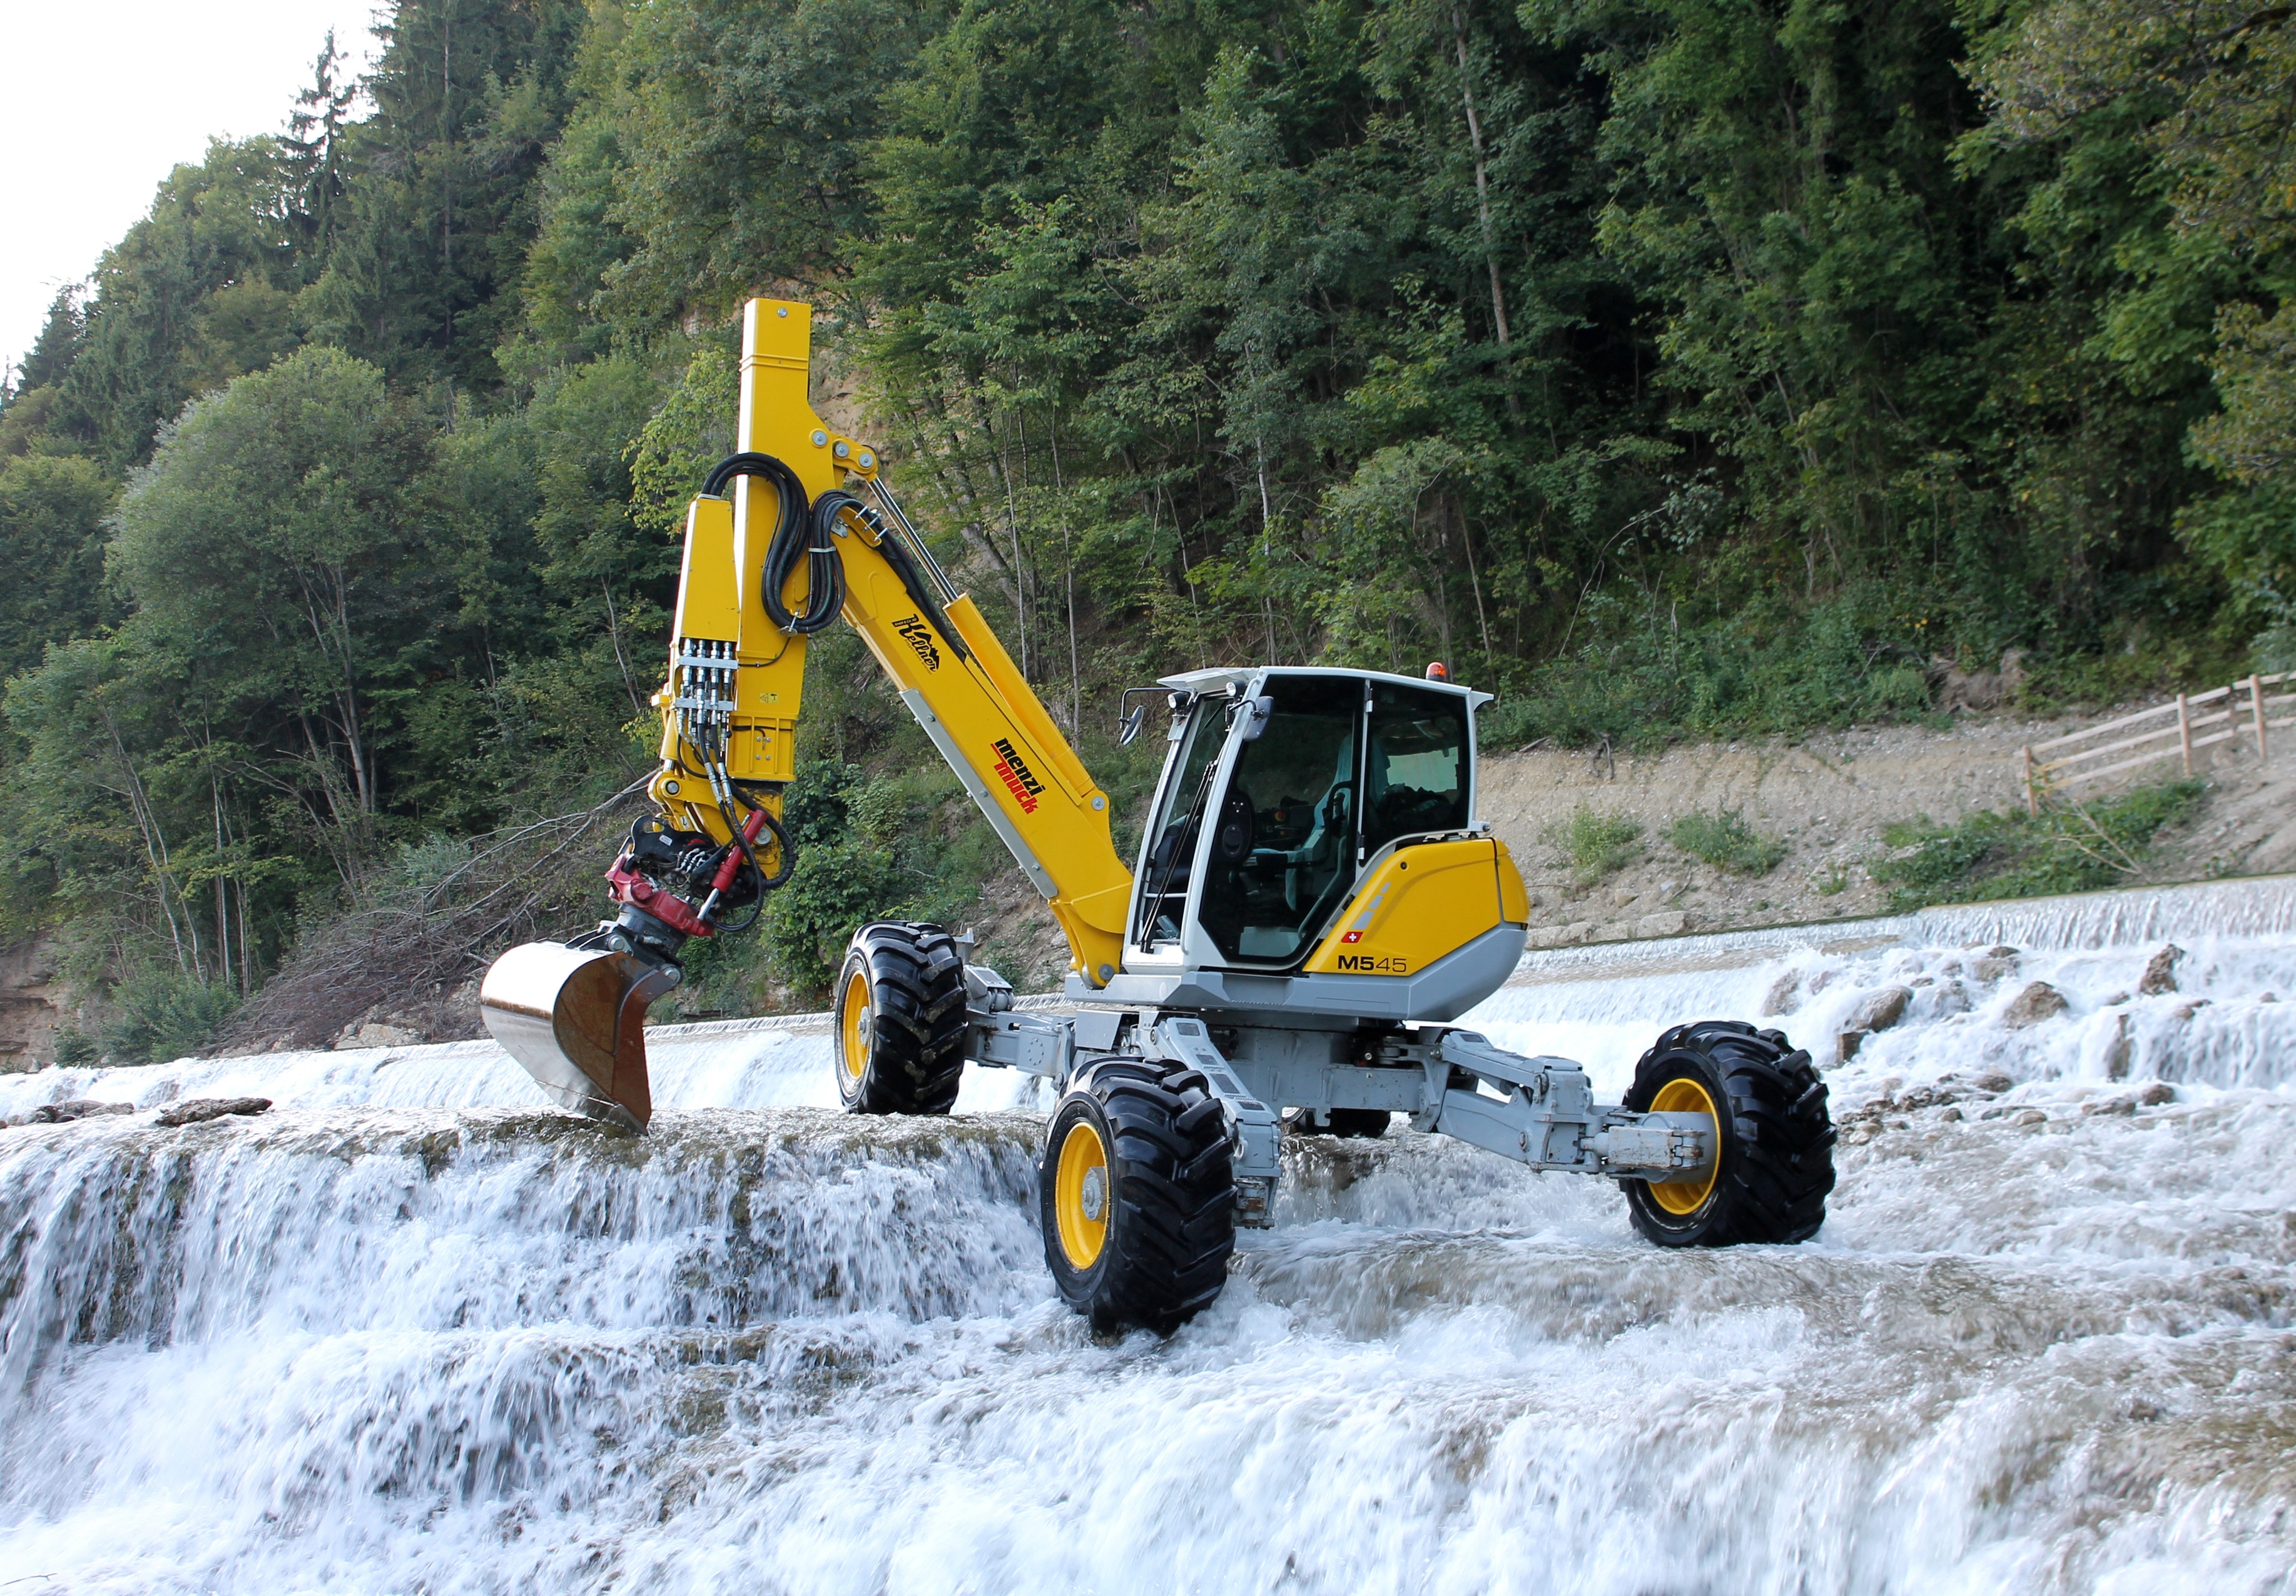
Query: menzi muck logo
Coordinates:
[1014,773]
[920,639]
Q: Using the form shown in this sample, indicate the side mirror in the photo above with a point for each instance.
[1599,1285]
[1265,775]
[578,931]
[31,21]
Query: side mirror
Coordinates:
[1130,717]
[1257,712]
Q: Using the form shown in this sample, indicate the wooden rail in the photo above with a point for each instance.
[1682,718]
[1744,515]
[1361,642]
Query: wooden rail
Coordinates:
[2198,720]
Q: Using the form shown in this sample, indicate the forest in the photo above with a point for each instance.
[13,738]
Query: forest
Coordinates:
[1672,368]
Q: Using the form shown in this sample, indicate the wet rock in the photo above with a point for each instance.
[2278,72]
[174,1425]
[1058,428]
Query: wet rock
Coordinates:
[78,1107]
[2119,1050]
[2160,974]
[1991,1081]
[1951,1114]
[2113,1106]
[1846,1045]
[1785,996]
[199,1108]
[2187,1010]
[2028,1117]
[2155,1094]
[2037,1003]
[1880,1009]
[1859,1133]
[374,1034]
[1994,964]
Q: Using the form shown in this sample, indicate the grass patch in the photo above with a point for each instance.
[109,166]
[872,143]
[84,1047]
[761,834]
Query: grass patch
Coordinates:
[1989,855]
[1594,845]
[1724,839]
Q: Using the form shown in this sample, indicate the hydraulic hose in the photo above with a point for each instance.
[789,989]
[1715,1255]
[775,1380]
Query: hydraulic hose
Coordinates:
[825,586]
[835,502]
[766,883]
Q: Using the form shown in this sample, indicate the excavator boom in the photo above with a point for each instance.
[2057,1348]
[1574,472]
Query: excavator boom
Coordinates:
[777,547]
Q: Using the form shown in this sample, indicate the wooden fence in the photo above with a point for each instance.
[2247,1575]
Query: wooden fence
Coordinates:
[2173,730]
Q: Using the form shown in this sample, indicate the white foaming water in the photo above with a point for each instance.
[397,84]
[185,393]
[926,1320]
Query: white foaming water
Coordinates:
[411,1331]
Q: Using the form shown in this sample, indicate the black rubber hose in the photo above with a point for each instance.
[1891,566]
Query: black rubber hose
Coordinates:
[826,589]
[766,883]
[827,508]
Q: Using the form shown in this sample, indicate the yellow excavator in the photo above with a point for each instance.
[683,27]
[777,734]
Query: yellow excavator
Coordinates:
[1315,900]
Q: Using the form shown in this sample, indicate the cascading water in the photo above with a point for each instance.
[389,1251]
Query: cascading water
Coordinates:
[408,1332]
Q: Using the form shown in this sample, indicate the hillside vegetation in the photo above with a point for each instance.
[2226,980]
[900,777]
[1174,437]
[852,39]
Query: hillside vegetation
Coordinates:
[1668,366]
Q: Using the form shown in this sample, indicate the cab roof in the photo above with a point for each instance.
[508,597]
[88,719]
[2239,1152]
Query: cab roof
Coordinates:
[1229,677]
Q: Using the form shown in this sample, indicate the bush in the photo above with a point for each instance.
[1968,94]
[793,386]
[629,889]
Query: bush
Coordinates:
[1594,845]
[1723,839]
[1987,856]
[160,1014]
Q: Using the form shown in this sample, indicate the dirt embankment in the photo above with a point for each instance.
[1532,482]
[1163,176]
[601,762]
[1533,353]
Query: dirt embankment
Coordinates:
[1828,796]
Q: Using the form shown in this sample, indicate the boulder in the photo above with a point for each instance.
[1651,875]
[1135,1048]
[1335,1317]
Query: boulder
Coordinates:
[1880,1009]
[2160,974]
[199,1108]
[2037,1003]
[1786,995]
[376,1034]
[1667,922]
[1993,964]
[78,1107]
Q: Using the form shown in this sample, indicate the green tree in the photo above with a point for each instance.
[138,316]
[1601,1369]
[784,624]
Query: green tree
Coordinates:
[51,512]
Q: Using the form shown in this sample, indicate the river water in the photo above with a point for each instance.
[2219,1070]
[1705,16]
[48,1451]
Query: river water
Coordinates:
[410,1331]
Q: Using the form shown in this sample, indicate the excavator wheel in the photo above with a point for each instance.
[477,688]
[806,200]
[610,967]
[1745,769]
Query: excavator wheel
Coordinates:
[1138,1195]
[901,1020]
[1777,1160]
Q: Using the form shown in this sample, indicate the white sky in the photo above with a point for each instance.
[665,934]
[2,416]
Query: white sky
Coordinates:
[101,99]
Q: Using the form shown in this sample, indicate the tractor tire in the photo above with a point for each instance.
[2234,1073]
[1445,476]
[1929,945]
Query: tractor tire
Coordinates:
[901,1020]
[1365,1124]
[1776,1157]
[1138,1195]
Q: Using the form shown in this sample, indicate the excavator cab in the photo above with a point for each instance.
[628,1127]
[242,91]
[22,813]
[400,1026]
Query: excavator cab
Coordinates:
[1294,806]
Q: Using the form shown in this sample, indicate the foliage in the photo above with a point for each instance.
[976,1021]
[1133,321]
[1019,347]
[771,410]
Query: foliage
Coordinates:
[1670,367]
[1594,844]
[1724,839]
[160,1013]
[1989,856]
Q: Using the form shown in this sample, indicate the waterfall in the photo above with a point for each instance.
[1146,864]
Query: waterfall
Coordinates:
[412,1331]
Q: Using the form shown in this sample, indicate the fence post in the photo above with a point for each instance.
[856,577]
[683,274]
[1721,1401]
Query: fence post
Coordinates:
[2184,732]
[2033,803]
[2256,707]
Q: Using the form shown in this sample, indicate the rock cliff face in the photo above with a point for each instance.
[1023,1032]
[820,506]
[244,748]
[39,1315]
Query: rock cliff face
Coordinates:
[31,1004]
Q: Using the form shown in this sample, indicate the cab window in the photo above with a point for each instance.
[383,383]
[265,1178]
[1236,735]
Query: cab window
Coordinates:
[1284,834]
[1415,771]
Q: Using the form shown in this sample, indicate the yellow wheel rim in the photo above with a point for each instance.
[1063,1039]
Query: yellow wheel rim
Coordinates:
[1080,1195]
[1683,1095]
[853,1035]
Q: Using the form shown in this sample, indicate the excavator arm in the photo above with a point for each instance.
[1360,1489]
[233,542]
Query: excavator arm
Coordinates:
[778,547]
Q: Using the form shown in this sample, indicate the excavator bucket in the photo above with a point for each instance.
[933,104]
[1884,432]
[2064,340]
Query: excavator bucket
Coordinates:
[576,1019]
